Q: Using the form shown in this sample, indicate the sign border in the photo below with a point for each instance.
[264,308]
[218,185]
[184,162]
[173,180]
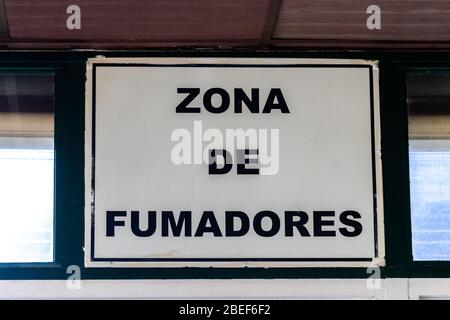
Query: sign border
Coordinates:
[92,261]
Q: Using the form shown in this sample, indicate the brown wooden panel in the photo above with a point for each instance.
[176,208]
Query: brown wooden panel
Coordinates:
[3,23]
[137,20]
[401,20]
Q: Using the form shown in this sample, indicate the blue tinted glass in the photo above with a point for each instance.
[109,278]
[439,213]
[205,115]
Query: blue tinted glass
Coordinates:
[26,208]
[26,167]
[430,204]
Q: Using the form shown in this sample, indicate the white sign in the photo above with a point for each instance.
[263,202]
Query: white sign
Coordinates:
[232,162]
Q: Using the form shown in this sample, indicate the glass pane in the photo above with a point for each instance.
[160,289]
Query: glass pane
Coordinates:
[26,167]
[429,164]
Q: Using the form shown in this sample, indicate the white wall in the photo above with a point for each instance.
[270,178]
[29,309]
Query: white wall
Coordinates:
[228,289]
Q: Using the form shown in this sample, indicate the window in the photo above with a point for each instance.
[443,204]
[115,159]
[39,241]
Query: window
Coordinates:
[428,97]
[26,167]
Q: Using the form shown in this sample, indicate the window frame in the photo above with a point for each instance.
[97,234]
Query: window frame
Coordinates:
[395,154]
[64,105]
[70,73]
[27,70]
[425,67]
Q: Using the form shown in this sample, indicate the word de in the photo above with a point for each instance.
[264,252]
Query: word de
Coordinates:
[207,147]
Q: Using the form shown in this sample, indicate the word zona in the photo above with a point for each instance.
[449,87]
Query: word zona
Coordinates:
[274,101]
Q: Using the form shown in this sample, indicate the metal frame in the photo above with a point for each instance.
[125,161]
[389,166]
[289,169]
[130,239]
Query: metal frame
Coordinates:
[69,168]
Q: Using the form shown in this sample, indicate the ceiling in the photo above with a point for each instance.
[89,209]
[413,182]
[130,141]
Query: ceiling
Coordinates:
[134,24]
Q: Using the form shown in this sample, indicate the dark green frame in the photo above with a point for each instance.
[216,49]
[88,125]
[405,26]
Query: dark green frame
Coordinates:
[69,67]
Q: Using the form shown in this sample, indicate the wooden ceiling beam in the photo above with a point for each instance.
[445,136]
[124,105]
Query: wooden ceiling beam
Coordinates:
[271,21]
